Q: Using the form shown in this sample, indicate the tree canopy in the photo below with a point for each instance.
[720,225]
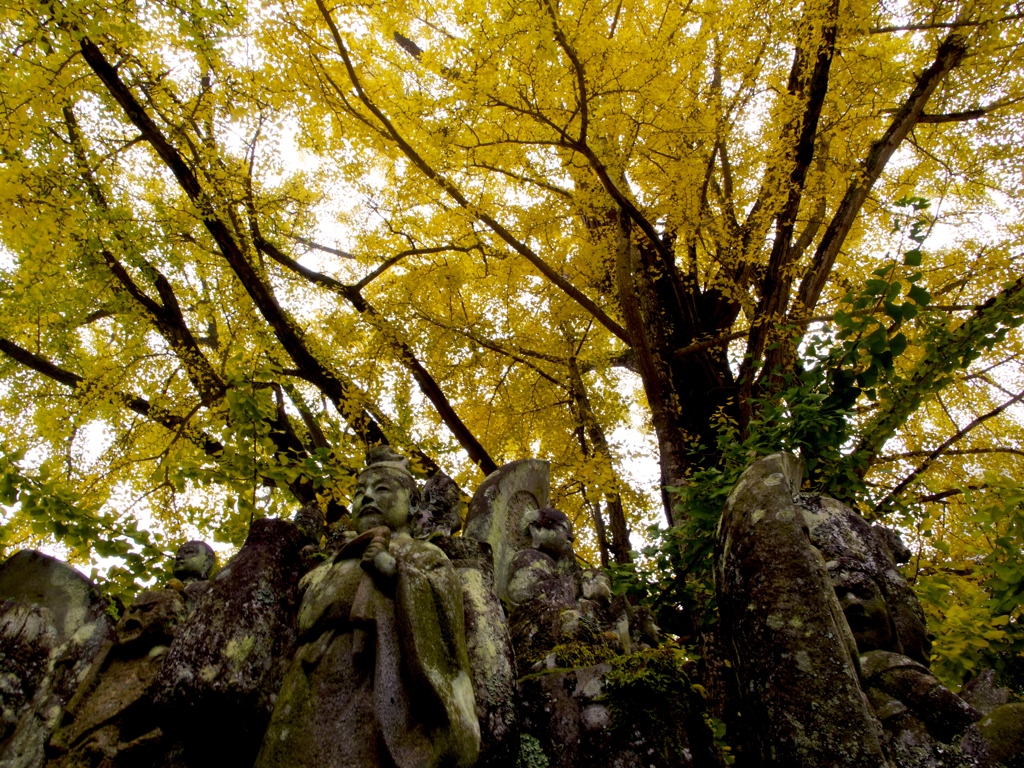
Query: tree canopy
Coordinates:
[243,242]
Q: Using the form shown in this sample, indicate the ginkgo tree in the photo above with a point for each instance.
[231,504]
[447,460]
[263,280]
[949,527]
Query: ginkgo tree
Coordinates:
[243,242]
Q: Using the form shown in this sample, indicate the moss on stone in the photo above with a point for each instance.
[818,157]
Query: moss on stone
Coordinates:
[531,753]
[1003,728]
[578,654]
[652,687]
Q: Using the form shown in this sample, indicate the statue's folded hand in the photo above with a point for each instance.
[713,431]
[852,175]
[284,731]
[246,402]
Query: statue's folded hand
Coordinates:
[377,559]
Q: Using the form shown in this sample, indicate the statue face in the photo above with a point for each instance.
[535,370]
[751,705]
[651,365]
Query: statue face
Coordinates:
[553,540]
[153,617]
[865,609]
[381,498]
[193,561]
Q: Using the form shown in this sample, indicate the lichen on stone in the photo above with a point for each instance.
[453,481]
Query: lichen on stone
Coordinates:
[531,753]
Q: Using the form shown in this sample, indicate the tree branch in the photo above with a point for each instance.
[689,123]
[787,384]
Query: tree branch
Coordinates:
[139,405]
[341,393]
[455,194]
[778,280]
[950,53]
[942,25]
[888,501]
[428,385]
[167,316]
[317,247]
[962,452]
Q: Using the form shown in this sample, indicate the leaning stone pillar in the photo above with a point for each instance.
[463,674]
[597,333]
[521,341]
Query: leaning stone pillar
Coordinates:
[792,651]
[490,652]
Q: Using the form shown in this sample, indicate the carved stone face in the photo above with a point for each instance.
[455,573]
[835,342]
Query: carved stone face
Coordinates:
[596,585]
[193,561]
[865,609]
[382,497]
[551,533]
[153,617]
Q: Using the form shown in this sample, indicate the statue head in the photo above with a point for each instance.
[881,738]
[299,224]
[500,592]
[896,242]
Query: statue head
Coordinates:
[152,617]
[863,602]
[385,492]
[438,512]
[311,522]
[194,561]
[550,532]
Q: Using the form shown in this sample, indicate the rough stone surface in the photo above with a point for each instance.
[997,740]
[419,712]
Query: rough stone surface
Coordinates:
[569,720]
[489,645]
[1003,729]
[912,704]
[27,638]
[791,648]
[53,624]
[110,720]
[439,512]
[218,683]
[983,694]
[865,555]
[497,509]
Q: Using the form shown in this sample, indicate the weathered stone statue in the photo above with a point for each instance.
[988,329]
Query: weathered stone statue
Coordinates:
[53,625]
[110,719]
[887,623]
[194,561]
[381,676]
[548,566]
[438,512]
[192,566]
[216,687]
[792,652]
[829,642]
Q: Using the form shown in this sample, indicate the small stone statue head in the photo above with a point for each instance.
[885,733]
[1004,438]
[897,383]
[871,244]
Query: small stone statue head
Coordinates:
[194,561]
[311,522]
[438,513]
[597,585]
[151,618]
[864,606]
[550,532]
[385,492]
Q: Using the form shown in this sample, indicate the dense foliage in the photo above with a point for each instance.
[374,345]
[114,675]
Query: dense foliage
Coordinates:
[240,242]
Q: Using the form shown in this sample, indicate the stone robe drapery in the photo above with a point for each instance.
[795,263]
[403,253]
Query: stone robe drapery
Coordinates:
[381,677]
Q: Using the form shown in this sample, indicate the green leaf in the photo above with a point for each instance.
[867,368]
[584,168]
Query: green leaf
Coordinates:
[919,295]
[898,344]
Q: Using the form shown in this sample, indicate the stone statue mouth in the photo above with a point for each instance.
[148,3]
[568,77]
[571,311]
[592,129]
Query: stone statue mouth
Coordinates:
[370,509]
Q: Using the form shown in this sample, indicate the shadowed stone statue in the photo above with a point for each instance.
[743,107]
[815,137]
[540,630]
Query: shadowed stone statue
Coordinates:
[381,676]
[194,561]
[110,721]
[829,641]
[192,567]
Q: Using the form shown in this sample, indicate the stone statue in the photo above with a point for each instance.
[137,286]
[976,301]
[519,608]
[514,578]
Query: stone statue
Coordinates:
[381,676]
[192,566]
[194,561]
[552,601]
[790,648]
[110,719]
[438,511]
[827,633]
[888,628]
[217,686]
[548,566]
